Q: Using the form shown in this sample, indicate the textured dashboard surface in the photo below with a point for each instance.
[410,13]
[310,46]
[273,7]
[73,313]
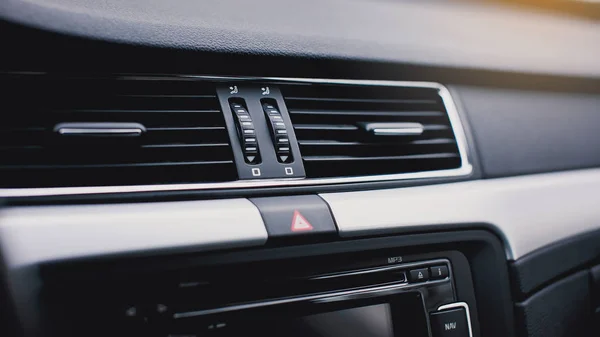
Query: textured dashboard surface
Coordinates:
[438,33]
[525,131]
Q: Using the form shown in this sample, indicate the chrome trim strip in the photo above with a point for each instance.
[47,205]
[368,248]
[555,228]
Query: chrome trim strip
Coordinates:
[460,305]
[421,264]
[394,129]
[464,170]
[357,272]
[30,235]
[100,129]
[98,132]
[370,292]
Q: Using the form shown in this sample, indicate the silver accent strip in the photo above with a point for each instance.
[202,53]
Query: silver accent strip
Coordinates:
[394,129]
[98,132]
[100,129]
[528,212]
[347,295]
[464,170]
[358,272]
[420,264]
[467,312]
[37,234]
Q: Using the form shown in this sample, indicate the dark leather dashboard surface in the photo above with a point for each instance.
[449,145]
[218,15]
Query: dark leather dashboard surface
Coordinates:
[428,33]
[531,131]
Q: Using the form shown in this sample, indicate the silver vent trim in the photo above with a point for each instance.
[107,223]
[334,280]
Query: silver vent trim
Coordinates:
[464,170]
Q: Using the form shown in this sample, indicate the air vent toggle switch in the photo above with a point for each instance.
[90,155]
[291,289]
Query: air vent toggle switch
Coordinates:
[246,133]
[279,132]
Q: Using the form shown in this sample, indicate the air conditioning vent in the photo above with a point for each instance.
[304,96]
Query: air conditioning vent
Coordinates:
[349,130]
[185,138]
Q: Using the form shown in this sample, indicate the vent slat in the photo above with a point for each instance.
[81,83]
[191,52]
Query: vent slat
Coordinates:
[186,140]
[134,111]
[21,147]
[329,124]
[331,127]
[24,129]
[362,100]
[211,145]
[410,157]
[170,96]
[325,127]
[187,128]
[342,143]
[37,167]
[367,113]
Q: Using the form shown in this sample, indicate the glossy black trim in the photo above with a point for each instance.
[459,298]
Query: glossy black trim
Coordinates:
[486,268]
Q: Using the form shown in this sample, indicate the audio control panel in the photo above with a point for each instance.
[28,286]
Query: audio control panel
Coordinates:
[260,132]
[417,294]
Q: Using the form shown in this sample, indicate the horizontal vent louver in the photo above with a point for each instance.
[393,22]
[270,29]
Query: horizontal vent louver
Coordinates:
[329,122]
[185,138]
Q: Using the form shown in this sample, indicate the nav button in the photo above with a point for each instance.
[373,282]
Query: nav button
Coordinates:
[449,323]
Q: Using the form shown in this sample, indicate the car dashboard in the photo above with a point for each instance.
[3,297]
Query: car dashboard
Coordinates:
[299,168]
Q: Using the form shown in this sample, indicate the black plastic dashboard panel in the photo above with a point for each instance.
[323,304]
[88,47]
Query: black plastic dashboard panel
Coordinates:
[539,268]
[455,34]
[526,132]
[491,310]
[562,309]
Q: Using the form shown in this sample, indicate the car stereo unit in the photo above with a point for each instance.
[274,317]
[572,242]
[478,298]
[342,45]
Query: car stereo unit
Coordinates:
[398,299]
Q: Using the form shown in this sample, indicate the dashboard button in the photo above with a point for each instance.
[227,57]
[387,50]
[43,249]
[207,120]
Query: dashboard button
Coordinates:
[251,159]
[449,323]
[301,216]
[418,275]
[438,272]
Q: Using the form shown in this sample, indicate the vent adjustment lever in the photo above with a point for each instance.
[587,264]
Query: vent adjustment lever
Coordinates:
[100,129]
[257,120]
[394,129]
[279,132]
[247,133]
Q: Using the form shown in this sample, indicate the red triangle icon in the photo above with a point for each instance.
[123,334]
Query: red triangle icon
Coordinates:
[300,224]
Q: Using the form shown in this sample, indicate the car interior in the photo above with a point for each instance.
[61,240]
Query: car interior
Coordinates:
[309,168]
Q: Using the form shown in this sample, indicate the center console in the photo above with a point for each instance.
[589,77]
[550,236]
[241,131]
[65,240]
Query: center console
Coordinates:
[411,285]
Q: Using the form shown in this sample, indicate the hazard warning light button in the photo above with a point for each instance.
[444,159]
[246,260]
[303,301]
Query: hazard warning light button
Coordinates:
[295,216]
